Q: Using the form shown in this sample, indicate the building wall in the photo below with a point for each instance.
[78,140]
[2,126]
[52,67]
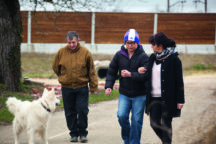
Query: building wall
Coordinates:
[51,27]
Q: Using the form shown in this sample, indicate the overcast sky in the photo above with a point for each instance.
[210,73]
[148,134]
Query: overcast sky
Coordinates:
[136,6]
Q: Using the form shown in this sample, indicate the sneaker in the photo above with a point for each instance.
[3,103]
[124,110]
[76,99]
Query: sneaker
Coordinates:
[74,139]
[83,139]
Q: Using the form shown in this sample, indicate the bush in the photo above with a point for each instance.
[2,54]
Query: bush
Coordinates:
[203,67]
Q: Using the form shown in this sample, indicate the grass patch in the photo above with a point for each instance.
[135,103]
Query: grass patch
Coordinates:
[37,65]
[200,69]
[204,67]
[101,96]
[191,60]
[51,75]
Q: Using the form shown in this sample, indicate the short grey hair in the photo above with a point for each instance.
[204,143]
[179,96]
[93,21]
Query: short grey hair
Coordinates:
[71,34]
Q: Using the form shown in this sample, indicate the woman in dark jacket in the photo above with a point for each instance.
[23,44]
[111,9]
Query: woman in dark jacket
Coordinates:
[165,92]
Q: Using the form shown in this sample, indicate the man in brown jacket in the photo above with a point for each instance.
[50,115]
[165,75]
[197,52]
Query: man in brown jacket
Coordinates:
[74,66]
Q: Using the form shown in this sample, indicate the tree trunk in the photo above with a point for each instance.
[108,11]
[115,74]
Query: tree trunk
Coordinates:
[10,41]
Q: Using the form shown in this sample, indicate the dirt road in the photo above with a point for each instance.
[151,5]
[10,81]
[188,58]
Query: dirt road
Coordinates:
[198,116]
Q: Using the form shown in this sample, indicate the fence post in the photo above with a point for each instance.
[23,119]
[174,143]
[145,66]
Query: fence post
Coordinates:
[29,27]
[93,46]
[155,23]
[29,44]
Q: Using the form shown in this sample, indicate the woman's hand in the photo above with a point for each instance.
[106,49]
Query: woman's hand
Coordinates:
[142,70]
[180,106]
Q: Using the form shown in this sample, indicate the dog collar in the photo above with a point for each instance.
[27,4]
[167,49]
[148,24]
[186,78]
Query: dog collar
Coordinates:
[45,107]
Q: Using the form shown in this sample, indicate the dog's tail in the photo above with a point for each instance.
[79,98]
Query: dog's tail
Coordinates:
[12,104]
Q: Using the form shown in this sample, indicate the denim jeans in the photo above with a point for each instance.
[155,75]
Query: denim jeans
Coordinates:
[131,132]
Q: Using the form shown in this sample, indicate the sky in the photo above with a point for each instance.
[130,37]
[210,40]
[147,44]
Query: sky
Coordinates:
[147,6]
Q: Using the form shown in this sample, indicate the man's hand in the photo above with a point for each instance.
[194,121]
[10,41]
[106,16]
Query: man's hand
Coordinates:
[108,91]
[125,73]
[142,70]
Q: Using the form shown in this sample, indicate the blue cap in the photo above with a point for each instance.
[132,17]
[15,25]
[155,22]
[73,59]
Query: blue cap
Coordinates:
[131,34]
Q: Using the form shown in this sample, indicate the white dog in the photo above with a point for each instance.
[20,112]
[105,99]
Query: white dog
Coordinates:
[32,116]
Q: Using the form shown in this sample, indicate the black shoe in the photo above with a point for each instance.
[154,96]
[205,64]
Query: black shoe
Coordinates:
[83,139]
[74,139]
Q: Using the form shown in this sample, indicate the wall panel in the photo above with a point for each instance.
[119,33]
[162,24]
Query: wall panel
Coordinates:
[111,27]
[51,27]
[188,28]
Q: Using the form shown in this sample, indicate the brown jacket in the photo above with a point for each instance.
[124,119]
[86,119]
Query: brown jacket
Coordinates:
[75,68]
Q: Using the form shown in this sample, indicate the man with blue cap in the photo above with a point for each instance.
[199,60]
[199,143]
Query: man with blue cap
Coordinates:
[132,86]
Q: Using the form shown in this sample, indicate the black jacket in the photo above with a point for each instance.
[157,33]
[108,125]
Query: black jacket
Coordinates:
[172,85]
[130,86]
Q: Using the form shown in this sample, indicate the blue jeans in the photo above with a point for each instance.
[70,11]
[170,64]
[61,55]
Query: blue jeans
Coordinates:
[131,133]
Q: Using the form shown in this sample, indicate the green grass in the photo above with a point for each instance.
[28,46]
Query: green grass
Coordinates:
[199,69]
[51,75]
[101,96]
[5,116]
[204,67]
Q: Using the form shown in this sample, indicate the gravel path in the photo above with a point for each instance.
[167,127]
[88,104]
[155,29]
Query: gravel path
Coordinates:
[198,116]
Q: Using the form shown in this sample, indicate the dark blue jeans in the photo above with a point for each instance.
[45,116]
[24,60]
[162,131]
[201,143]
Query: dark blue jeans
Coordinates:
[131,132]
[76,110]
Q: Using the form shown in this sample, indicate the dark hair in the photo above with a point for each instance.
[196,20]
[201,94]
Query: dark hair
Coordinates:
[161,39]
[71,34]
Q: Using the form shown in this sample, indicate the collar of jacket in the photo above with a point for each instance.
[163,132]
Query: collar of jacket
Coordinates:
[124,51]
[76,49]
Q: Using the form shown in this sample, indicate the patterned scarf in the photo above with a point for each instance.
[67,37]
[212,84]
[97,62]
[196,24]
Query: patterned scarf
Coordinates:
[165,53]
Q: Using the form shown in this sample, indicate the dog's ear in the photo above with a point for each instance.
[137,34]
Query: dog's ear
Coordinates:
[45,92]
[51,92]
